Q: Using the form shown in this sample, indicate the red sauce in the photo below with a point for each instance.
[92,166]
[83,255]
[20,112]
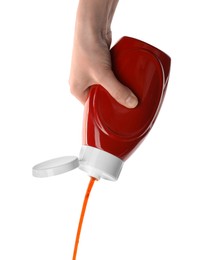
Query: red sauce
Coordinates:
[90,185]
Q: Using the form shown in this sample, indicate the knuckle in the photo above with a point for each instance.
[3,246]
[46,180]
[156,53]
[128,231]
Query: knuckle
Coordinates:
[117,94]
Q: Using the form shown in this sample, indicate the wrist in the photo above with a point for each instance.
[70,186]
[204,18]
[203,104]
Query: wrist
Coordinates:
[94,18]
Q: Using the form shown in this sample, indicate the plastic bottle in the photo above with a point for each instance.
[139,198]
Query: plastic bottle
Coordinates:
[112,132]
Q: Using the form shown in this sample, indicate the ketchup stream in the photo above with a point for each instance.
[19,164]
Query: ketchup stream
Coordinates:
[89,188]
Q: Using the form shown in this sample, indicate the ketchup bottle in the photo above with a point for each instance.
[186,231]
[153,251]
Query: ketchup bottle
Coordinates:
[112,132]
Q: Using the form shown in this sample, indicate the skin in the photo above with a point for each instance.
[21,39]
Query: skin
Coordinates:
[91,61]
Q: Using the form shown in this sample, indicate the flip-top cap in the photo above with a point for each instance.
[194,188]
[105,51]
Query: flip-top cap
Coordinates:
[55,166]
[97,163]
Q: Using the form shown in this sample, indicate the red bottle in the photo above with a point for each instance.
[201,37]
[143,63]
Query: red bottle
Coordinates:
[112,132]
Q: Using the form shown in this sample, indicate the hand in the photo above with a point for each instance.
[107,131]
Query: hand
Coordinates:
[91,61]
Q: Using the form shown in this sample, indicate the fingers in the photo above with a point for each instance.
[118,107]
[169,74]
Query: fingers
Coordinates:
[118,91]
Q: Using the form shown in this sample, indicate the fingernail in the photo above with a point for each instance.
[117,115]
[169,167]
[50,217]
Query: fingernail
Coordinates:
[131,101]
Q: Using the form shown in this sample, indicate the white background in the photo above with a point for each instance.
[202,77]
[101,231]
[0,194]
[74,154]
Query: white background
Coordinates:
[159,207]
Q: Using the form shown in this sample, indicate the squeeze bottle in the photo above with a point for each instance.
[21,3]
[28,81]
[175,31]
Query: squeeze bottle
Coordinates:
[112,132]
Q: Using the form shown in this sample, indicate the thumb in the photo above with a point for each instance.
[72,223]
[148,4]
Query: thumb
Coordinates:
[118,91]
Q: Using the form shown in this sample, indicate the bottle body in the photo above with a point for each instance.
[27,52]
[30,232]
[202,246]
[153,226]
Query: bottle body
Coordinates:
[113,128]
[116,129]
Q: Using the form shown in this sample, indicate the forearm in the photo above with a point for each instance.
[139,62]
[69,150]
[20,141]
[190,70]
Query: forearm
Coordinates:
[94,17]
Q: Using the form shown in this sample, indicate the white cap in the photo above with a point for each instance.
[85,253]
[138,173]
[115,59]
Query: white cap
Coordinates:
[97,163]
